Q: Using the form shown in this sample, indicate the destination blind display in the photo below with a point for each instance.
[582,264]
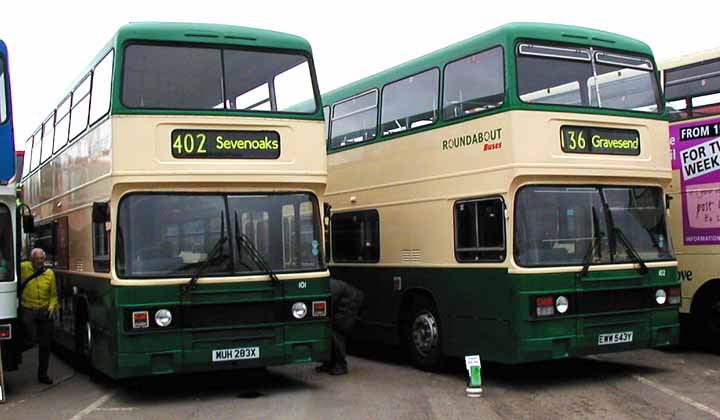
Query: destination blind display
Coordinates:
[598,140]
[220,144]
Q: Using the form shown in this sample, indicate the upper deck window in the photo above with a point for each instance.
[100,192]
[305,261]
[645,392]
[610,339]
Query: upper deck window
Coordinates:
[578,76]
[206,78]
[3,92]
[354,120]
[410,103]
[474,84]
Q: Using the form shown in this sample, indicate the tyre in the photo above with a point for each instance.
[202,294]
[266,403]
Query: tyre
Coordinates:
[83,339]
[707,321]
[423,336]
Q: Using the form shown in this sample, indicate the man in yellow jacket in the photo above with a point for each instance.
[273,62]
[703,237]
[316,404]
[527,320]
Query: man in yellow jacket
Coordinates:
[38,301]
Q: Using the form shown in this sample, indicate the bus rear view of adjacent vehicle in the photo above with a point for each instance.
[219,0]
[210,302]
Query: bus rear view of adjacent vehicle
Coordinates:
[8,263]
[692,91]
[505,196]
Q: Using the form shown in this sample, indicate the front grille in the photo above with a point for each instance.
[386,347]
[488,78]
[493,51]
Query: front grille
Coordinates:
[615,300]
[231,314]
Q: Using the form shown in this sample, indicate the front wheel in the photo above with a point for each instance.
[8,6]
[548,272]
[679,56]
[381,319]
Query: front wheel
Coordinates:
[708,322]
[423,336]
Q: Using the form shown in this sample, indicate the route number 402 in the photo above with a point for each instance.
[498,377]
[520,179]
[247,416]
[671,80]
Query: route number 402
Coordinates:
[189,143]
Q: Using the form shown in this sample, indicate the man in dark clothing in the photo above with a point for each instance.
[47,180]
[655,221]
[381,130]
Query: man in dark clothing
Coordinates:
[346,303]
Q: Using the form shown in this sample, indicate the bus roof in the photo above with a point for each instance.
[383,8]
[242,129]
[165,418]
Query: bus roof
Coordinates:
[693,58]
[209,33]
[202,33]
[505,35]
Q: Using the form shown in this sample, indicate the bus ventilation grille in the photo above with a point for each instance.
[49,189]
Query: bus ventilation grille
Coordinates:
[411,255]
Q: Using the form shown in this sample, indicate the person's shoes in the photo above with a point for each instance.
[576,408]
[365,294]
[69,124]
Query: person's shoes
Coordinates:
[45,380]
[338,370]
[324,368]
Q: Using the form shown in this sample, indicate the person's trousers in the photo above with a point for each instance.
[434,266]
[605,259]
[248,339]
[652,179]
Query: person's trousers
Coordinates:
[339,351]
[38,330]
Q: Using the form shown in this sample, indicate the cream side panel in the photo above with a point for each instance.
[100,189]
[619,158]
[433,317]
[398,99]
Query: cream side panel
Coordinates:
[414,181]
[697,269]
[80,240]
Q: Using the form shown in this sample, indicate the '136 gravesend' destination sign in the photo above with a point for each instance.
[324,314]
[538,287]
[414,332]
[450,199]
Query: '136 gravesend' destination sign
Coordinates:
[599,140]
[225,144]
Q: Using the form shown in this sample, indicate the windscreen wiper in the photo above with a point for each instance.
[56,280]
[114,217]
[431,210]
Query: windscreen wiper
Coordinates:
[594,243]
[631,249]
[243,241]
[211,256]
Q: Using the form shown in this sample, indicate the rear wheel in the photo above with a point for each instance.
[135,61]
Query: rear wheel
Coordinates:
[423,336]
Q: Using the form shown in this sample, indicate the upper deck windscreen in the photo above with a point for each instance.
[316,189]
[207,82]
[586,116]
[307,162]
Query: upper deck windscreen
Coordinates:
[213,78]
[586,77]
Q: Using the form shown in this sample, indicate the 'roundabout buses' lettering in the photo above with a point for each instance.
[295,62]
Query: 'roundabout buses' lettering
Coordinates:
[241,144]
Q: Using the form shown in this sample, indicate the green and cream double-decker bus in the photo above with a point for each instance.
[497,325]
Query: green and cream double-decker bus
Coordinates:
[692,91]
[505,196]
[176,189]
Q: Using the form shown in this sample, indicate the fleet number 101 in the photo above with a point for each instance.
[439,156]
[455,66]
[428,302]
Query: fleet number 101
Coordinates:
[190,143]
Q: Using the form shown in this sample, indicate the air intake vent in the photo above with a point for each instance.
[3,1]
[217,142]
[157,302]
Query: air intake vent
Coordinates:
[411,255]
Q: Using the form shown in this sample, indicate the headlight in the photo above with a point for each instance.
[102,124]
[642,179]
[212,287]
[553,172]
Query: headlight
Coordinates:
[299,310]
[163,317]
[562,304]
[660,296]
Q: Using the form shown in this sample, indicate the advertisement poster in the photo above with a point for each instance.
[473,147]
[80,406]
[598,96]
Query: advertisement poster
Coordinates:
[695,152]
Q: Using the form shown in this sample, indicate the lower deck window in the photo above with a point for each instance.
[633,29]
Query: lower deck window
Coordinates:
[479,230]
[356,236]
[6,244]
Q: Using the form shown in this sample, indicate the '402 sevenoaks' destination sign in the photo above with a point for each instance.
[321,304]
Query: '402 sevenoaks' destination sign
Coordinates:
[599,140]
[225,144]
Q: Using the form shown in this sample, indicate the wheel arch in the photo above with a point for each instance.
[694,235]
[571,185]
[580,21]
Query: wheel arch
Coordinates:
[709,288]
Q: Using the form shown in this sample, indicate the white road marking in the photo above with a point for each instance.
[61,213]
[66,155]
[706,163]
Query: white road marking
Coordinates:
[92,407]
[687,400]
[115,409]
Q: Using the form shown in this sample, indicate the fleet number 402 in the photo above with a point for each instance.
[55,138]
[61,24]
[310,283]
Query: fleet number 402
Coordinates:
[189,143]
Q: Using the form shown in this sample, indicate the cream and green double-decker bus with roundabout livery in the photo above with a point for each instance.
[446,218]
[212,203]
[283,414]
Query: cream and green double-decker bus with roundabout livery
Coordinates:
[177,191]
[506,196]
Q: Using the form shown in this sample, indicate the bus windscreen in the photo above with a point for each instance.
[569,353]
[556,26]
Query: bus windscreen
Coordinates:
[576,77]
[558,225]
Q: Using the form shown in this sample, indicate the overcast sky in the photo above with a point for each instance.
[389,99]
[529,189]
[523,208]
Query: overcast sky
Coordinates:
[51,42]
